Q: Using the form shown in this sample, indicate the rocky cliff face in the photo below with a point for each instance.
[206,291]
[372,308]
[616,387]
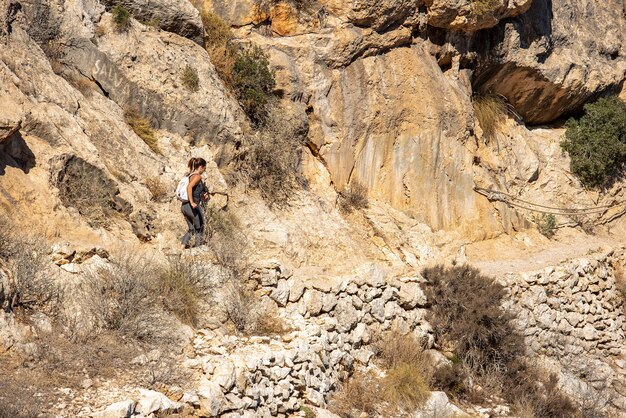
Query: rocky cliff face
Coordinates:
[386,90]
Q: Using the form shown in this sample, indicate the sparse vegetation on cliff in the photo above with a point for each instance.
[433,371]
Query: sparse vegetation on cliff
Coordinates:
[482,7]
[271,161]
[491,112]
[141,126]
[353,197]
[121,18]
[253,82]
[190,79]
[546,224]
[596,143]
[217,43]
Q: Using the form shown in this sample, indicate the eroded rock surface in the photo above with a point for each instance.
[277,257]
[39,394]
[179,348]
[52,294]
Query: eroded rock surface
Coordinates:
[543,67]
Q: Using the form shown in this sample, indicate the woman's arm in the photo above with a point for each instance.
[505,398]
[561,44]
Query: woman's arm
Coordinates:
[193,181]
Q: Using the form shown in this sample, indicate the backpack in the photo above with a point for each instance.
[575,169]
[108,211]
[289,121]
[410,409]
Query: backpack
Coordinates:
[181,189]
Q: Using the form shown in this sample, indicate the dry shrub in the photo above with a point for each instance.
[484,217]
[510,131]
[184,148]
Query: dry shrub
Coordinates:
[8,409]
[183,285]
[359,394]
[536,396]
[467,317]
[158,190]
[270,162]
[223,58]
[217,43]
[353,198]
[88,189]
[122,299]
[491,112]
[136,296]
[23,258]
[143,129]
[227,241]
[247,314]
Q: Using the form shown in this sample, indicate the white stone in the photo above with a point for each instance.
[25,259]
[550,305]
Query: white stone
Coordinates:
[438,406]
[123,409]
[212,399]
[153,401]
[225,374]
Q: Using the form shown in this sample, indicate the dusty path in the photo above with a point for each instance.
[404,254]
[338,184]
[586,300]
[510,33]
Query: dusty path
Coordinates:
[531,252]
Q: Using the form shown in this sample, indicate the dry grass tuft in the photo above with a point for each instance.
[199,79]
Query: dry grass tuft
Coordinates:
[157,188]
[491,112]
[190,79]
[142,127]
[353,198]
[361,394]
[183,287]
[405,387]
[217,43]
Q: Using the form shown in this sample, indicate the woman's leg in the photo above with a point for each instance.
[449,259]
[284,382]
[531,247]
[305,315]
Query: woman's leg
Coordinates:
[199,226]
[189,218]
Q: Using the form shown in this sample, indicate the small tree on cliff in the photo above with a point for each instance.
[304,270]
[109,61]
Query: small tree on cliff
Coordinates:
[596,143]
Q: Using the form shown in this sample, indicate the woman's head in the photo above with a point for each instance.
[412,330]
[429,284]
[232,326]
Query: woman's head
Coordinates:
[195,163]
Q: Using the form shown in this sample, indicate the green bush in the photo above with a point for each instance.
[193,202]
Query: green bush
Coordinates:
[546,224]
[253,82]
[121,18]
[596,143]
[190,79]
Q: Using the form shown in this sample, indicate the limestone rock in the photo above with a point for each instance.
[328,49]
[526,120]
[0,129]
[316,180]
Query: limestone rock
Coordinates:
[10,118]
[177,16]
[123,409]
[546,71]
[212,399]
[153,401]
[470,16]
[437,406]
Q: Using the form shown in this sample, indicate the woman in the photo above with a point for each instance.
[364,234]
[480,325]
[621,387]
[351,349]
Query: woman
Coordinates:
[197,192]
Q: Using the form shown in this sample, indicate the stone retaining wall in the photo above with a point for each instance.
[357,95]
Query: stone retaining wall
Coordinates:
[574,314]
[333,320]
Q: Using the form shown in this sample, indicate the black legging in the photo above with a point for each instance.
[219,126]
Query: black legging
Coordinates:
[195,224]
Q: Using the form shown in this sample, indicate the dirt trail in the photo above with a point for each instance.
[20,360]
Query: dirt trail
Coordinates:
[530,252]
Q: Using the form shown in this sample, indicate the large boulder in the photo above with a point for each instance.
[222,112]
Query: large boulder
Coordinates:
[177,16]
[543,67]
